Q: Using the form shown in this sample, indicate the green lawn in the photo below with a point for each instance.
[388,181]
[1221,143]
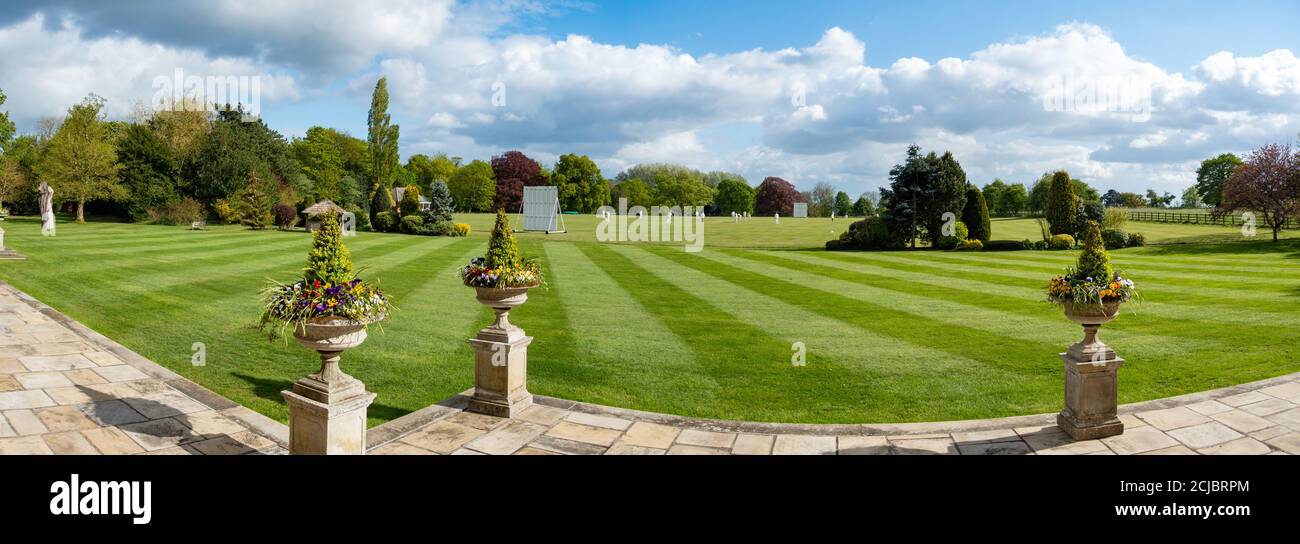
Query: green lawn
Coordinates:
[890,337]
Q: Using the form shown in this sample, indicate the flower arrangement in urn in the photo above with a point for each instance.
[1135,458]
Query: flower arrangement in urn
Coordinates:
[1092,287]
[502,268]
[329,298]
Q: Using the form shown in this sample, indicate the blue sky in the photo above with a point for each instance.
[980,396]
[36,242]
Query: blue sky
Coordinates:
[1175,34]
[813,91]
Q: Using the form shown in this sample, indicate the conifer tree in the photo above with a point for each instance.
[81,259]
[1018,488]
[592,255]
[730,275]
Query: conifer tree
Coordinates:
[1061,204]
[1094,262]
[330,262]
[502,251]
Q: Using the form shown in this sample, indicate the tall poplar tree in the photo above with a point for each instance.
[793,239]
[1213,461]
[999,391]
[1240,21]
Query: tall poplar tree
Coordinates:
[382,142]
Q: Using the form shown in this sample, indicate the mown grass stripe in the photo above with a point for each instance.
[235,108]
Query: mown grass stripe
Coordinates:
[752,357]
[240,356]
[626,356]
[1222,315]
[886,378]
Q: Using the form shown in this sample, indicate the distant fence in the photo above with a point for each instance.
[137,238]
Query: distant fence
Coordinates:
[1199,218]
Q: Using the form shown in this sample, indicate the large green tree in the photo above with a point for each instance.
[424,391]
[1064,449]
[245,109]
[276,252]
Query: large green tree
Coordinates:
[580,184]
[382,136]
[843,206]
[322,163]
[6,125]
[715,178]
[23,157]
[230,151]
[635,191]
[993,195]
[149,172]
[863,206]
[911,184]
[80,160]
[734,195]
[1211,175]
[948,193]
[473,188]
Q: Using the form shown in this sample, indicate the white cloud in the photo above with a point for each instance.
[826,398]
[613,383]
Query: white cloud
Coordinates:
[44,71]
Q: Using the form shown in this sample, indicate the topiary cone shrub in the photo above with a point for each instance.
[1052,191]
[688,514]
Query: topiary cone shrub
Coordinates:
[502,250]
[1094,262]
[1092,281]
[327,289]
[502,267]
[329,260]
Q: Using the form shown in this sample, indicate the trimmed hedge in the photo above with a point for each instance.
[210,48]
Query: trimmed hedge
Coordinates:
[1008,245]
[411,224]
[960,234]
[1114,238]
[870,233]
[385,222]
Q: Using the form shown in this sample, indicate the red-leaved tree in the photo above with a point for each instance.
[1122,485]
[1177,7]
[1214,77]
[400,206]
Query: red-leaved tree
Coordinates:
[775,195]
[514,171]
[1267,184]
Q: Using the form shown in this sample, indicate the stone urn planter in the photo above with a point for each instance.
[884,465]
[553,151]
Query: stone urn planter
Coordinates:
[1091,376]
[330,337]
[327,410]
[501,356]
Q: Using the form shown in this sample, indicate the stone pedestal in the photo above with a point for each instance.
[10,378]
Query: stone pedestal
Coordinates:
[1091,389]
[500,369]
[327,411]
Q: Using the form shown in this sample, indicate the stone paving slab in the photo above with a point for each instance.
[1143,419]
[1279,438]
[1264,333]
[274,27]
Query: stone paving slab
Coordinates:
[1221,422]
[67,390]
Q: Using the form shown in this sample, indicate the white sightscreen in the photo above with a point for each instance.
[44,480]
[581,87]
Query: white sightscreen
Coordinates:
[541,208]
[801,209]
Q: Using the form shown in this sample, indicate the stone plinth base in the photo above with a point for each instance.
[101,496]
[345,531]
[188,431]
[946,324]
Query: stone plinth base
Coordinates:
[9,254]
[336,428]
[500,372]
[1091,394]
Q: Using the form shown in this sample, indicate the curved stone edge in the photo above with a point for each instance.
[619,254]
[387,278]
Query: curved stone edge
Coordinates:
[892,429]
[262,425]
[401,426]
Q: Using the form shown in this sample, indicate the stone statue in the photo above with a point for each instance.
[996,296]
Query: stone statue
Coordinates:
[47,209]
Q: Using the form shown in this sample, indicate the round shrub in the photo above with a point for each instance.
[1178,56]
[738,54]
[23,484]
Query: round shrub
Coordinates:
[974,244]
[1041,245]
[1136,239]
[961,233]
[460,229]
[385,222]
[870,233]
[1114,238]
[435,228]
[285,216]
[1061,241]
[411,224]
[225,212]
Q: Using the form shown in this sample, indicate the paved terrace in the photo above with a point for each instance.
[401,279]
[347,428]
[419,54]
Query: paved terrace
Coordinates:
[65,389]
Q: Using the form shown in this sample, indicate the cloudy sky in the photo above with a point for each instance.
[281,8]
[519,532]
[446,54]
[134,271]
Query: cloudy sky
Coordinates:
[1126,95]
